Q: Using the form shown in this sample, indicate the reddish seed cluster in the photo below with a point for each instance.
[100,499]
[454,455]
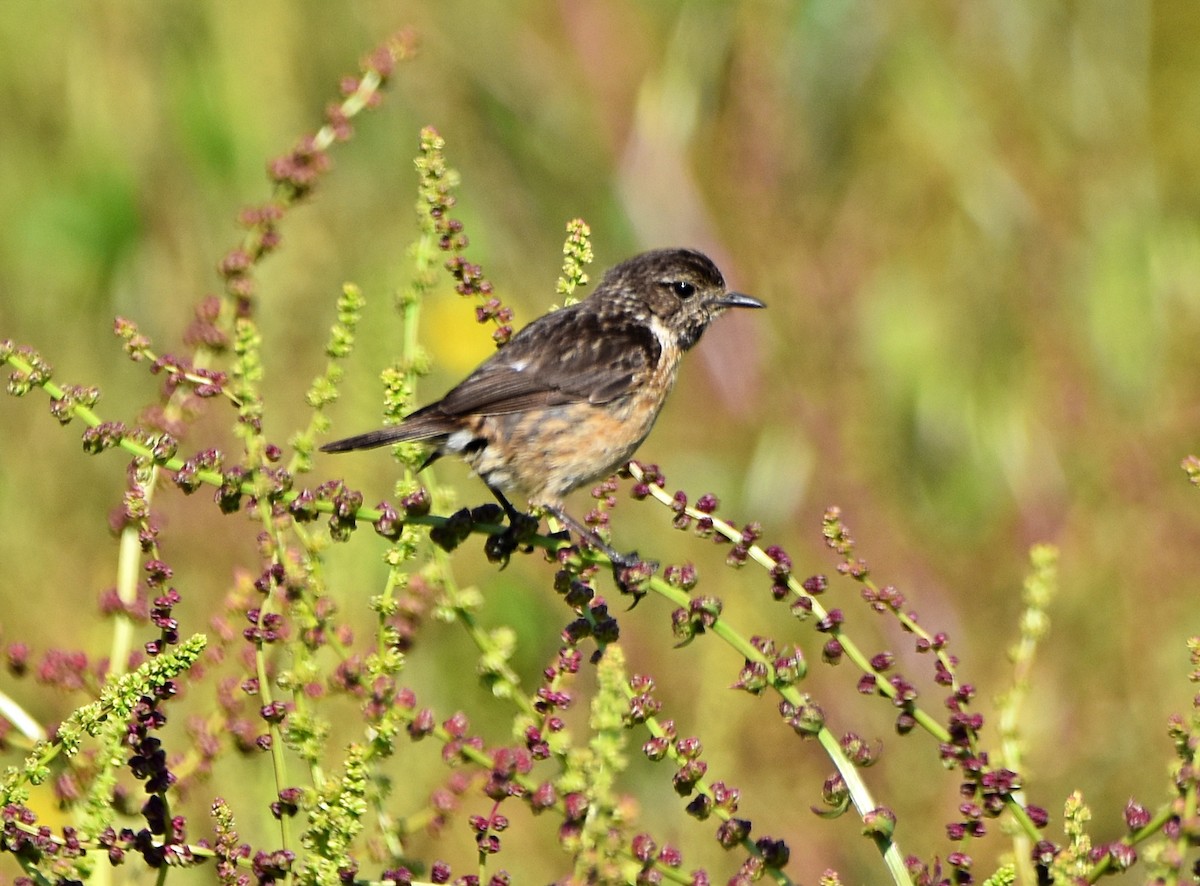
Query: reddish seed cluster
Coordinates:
[456,727]
[22,381]
[163,840]
[422,724]
[632,580]
[754,677]
[299,169]
[110,603]
[204,331]
[605,497]
[410,611]
[264,219]
[732,832]
[649,853]
[158,574]
[769,853]
[203,382]
[575,810]
[859,752]
[507,765]
[265,628]
[885,599]
[651,476]
[471,282]
[417,503]
[269,867]
[397,48]
[73,396]
[137,345]
[445,800]
[536,743]
[682,576]
[781,667]
[781,571]
[1137,816]
[835,795]
[691,770]
[832,621]
[700,615]
[643,705]
[187,479]
[439,873]
[838,539]
[105,435]
[679,503]
[487,831]
[806,718]
[656,748]
[543,797]
[381,699]
[722,799]
[707,504]
[228,495]
[68,670]
[389,525]
[740,551]
[346,503]
[985,794]
[1122,854]
[936,643]
[338,122]
[573,582]
[168,625]
[932,874]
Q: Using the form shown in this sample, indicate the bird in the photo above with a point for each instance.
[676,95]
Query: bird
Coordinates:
[569,399]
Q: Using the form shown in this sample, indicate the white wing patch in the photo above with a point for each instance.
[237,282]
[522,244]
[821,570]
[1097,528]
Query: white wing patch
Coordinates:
[459,440]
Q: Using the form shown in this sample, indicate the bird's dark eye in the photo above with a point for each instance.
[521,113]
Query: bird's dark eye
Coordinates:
[682,288]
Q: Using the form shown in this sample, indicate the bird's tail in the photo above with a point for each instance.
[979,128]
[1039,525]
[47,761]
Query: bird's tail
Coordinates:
[382,437]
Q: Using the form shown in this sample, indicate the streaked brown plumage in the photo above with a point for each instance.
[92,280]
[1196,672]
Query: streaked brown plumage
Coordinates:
[570,398]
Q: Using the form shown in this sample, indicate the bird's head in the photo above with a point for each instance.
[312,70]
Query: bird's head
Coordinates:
[681,287]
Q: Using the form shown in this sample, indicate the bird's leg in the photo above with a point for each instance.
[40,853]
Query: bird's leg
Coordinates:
[520,526]
[628,569]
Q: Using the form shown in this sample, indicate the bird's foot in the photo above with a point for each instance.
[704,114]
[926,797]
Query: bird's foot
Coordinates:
[500,547]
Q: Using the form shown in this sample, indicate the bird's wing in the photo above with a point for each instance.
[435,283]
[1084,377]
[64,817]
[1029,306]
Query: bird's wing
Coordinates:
[572,355]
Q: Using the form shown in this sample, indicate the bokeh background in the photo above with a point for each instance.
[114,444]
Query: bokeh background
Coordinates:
[976,227]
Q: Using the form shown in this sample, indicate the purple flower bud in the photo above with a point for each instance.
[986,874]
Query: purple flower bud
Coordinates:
[1136,815]
[732,832]
[644,848]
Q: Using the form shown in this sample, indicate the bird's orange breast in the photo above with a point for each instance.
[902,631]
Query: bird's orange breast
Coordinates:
[545,453]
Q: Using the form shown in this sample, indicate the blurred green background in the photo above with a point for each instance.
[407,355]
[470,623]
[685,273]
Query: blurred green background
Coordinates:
[976,227]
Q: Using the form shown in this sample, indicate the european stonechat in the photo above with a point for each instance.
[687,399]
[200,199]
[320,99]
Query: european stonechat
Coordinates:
[572,395]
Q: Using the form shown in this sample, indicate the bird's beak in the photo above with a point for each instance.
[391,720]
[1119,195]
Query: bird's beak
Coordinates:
[739,300]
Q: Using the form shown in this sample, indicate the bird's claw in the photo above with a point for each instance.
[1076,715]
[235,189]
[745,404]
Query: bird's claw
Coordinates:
[499,548]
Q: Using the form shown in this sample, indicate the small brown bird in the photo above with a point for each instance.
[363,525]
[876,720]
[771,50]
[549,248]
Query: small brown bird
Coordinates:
[573,394]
